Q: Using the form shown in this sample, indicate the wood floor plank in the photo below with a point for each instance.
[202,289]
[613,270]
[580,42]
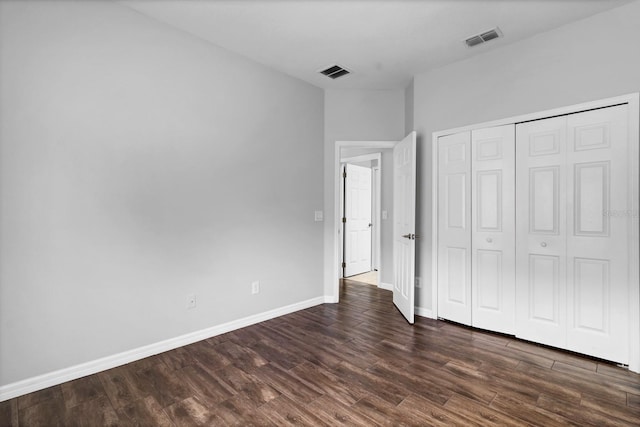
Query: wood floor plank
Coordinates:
[192,412]
[144,412]
[207,387]
[529,413]
[91,413]
[334,413]
[255,389]
[356,363]
[579,414]
[9,413]
[484,415]
[285,411]
[287,383]
[82,390]
[329,384]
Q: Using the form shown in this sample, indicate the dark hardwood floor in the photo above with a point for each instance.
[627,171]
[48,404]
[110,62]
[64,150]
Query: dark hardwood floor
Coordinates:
[353,363]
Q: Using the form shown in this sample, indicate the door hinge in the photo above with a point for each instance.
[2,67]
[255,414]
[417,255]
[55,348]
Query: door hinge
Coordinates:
[344,174]
[344,265]
[344,219]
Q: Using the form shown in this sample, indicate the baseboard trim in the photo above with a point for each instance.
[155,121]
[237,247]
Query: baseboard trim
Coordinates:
[424,312]
[385,286]
[50,379]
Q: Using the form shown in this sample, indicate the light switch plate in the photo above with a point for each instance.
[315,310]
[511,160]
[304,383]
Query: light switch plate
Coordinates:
[318,216]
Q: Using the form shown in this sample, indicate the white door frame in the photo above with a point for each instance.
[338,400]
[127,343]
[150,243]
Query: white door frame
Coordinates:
[375,206]
[334,296]
[633,101]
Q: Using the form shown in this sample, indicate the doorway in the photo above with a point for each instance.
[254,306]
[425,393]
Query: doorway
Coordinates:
[360,208]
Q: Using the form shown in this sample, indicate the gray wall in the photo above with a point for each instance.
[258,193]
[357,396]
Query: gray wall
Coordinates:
[588,60]
[140,164]
[355,115]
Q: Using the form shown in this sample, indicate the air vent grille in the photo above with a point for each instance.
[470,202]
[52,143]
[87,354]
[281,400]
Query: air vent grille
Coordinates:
[334,71]
[483,37]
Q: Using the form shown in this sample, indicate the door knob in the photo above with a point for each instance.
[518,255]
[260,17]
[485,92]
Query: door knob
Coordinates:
[489,240]
[543,244]
[410,236]
[407,236]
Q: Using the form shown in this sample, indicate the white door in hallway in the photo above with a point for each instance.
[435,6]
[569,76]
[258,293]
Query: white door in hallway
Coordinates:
[404,225]
[357,230]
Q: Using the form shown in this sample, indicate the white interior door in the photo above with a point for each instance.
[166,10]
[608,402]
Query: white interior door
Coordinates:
[598,230]
[404,225]
[357,253]
[454,227]
[541,231]
[493,228]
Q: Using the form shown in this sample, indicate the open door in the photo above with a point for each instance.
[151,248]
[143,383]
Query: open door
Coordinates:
[404,225]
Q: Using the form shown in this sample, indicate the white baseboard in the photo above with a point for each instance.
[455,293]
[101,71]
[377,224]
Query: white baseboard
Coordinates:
[385,286]
[425,312]
[40,382]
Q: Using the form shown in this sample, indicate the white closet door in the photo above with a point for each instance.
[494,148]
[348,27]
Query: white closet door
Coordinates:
[541,234]
[454,227]
[493,228]
[598,228]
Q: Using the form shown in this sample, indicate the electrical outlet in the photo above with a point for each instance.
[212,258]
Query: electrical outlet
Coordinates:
[191,301]
[255,287]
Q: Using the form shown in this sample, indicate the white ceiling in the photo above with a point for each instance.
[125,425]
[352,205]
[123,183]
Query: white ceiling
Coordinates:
[384,42]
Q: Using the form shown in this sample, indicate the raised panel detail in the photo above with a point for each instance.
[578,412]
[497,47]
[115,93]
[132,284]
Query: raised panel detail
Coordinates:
[489,149]
[544,144]
[456,270]
[591,137]
[591,294]
[455,195]
[489,279]
[543,287]
[489,200]
[591,181]
[456,153]
[543,200]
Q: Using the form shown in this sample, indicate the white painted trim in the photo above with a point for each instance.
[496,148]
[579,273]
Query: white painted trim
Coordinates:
[385,286]
[40,382]
[334,277]
[633,101]
[569,109]
[425,312]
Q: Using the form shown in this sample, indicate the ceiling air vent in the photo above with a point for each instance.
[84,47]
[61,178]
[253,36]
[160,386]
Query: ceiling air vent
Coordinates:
[335,71]
[483,37]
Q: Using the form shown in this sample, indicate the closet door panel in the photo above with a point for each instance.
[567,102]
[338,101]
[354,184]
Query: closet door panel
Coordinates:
[454,228]
[598,221]
[493,233]
[541,231]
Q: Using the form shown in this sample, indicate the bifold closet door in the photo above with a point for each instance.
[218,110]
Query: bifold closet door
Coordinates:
[541,232]
[572,249]
[454,227]
[598,230]
[493,229]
